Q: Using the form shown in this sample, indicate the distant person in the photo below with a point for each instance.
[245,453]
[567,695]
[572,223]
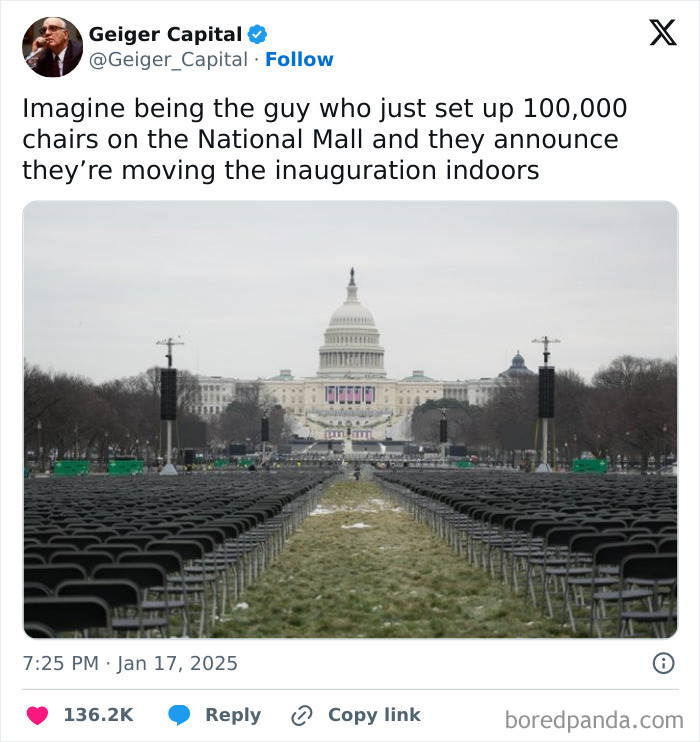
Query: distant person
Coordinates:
[53,53]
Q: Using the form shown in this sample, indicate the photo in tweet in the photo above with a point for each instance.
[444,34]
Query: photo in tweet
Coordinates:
[164,484]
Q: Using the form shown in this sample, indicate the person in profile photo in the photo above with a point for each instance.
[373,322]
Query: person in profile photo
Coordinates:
[54,53]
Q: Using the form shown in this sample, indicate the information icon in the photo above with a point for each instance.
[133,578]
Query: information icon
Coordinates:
[663,663]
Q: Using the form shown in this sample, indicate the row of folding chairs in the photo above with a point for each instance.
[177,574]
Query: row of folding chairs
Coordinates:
[188,567]
[541,540]
[114,601]
[479,525]
[50,503]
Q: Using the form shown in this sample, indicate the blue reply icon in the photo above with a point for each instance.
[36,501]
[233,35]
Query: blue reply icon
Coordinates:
[179,714]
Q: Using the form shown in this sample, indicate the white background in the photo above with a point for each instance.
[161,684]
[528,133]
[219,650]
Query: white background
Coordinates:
[436,51]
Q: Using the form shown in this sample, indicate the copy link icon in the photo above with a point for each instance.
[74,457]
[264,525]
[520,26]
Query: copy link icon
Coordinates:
[301,716]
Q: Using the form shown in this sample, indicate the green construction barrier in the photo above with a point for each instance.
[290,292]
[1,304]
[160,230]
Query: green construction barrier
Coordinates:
[71,468]
[244,463]
[125,468]
[221,463]
[464,464]
[596,466]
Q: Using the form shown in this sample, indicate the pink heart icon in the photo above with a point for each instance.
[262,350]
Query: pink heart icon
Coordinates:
[37,715]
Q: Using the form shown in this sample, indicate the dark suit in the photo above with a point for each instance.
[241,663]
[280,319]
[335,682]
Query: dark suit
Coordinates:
[74,51]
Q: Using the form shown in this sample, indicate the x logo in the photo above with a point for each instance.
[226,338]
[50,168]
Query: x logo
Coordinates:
[663,32]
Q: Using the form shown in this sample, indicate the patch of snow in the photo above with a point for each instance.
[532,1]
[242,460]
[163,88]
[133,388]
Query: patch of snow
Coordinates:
[356,525]
[375,505]
[322,511]
[242,606]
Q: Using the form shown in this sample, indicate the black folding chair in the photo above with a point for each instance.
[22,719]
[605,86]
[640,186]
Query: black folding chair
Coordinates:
[37,630]
[124,599]
[171,563]
[146,575]
[659,574]
[68,614]
[51,574]
[606,575]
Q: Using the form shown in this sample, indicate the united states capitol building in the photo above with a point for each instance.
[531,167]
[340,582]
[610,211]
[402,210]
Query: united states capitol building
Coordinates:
[350,396]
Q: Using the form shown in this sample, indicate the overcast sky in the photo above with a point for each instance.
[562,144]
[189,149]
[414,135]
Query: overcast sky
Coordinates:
[455,288]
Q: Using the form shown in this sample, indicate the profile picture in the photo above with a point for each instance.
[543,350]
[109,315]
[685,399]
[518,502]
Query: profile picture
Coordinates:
[52,47]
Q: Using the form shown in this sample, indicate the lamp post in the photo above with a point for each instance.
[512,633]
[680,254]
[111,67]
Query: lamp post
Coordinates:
[575,454]
[627,452]
[169,404]
[106,451]
[264,433]
[443,433]
[664,430]
[39,452]
[545,411]
[566,455]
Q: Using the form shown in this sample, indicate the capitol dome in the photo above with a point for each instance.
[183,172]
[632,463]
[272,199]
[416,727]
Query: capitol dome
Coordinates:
[352,312]
[517,367]
[351,343]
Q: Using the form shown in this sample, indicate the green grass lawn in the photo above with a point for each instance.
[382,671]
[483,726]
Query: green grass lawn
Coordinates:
[359,567]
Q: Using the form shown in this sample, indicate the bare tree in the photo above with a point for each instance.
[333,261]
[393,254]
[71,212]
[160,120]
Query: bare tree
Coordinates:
[629,409]
[461,422]
[71,416]
[241,421]
[637,400]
